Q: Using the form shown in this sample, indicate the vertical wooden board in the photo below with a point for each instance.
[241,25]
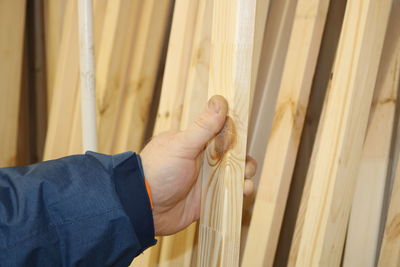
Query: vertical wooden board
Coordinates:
[368,199]
[199,66]
[54,16]
[12,24]
[272,58]
[342,132]
[177,249]
[115,46]
[223,167]
[389,253]
[269,73]
[142,74]
[286,132]
[177,66]
[262,8]
[294,249]
[319,88]
[173,87]
[64,89]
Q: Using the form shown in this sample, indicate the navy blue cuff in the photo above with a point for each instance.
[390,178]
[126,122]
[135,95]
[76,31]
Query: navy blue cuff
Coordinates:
[131,189]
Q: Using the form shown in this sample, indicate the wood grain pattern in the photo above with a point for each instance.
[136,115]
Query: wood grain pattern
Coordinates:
[344,125]
[286,131]
[269,74]
[141,78]
[368,199]
[177,250]
[54,16]
[12,25]
[389,253]
[320,86]
[65,88]
[115,46]
[177,65]
[223,168]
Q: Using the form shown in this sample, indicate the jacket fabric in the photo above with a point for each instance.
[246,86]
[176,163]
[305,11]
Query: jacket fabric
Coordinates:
[82,210]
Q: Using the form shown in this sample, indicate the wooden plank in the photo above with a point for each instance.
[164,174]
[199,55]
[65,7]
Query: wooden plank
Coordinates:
[389,253]
[64,127]
[262,8]
[54,16]
[368,200]
[115,47]
[319,88]
[286,132]
[294,249]
[12,25]
[141,79]
[173,88]
[177,249]
[274,50]
[342,132]
[223,167]
[65,88]
[177,65]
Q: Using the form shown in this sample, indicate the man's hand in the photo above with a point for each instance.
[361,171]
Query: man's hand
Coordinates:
[171,163]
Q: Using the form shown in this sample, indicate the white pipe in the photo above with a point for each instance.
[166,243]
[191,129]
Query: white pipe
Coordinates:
[88,90]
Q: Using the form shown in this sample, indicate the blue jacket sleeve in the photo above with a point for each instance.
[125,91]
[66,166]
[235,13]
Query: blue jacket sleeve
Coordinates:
[83,210]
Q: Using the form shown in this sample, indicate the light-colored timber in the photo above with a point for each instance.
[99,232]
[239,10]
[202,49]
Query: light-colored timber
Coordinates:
[273,55]
[114,53]
[285,133]
[65,88]
[142,75]
[320,86]
[224,159]
[12,25]
[54,16]
[368,199]
[342,131]
[389,253]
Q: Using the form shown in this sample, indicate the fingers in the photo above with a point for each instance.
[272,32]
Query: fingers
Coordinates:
[208,124]
[250,168]
[248,187]
[249,172]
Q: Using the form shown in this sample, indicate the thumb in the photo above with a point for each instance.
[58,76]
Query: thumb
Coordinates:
[208,124]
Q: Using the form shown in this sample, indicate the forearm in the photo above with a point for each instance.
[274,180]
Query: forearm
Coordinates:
[87,208]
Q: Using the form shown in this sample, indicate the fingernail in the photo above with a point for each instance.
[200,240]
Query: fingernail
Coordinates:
[214,106]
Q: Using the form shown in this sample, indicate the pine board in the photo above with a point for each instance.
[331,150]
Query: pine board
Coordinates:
[223,167]
[342,133]
[286,131]
[368,199]
[12,25]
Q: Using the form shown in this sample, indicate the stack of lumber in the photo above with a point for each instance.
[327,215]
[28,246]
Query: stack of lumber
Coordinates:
[312,88]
